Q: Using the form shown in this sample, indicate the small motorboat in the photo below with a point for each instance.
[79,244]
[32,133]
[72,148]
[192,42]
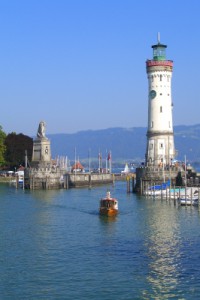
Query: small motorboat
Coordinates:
[108,206]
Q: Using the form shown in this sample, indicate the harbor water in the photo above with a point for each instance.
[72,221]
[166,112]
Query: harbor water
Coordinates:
[54,245]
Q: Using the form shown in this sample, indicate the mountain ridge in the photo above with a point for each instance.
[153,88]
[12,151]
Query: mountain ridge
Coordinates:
[124,143]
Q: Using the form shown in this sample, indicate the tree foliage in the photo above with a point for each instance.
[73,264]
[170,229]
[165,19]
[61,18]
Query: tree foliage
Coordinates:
[16,145]
[2,146]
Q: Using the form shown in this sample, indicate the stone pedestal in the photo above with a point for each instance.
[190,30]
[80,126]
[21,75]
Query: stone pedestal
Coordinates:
[41,153]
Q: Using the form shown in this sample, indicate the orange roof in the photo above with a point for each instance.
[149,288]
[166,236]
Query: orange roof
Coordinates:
[21,168]
[77,165]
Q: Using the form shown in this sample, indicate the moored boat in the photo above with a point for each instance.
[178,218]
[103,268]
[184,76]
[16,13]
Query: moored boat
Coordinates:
[108,206]
[126,169]
[184,201]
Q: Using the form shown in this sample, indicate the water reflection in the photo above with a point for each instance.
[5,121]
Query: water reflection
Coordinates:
[45,195]
[163,252]
[105,219]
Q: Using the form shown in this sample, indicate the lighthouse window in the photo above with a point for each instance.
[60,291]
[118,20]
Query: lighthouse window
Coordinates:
[152,78]
[160,77]
[161,109]
[161,145]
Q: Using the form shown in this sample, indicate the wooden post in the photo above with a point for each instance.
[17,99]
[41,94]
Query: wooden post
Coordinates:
[33,186]
[113,177]
[141,186]
[175,200]
[17,181]
[65,181]
[90,181]
[175,196]
[128,184]
[133,184]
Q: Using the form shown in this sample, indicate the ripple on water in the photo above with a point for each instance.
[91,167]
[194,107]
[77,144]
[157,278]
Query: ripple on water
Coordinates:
[54,245]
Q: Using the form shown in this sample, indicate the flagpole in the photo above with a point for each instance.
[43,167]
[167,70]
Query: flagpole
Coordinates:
[99,160]
[89,159]
[110,163]
[75,160]
[109,159]
[106,163]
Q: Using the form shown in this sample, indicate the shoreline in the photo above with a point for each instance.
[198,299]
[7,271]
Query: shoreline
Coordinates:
[6,179]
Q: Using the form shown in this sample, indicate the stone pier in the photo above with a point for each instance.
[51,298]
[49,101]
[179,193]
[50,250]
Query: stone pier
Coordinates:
[42,174]
[149,176]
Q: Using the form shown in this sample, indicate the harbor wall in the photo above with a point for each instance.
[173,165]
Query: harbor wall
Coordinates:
[43,178]
[86,179]
[56,178]
[149,176]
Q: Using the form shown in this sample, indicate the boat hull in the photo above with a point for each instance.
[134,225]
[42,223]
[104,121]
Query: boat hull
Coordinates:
[108,212]
[186,202]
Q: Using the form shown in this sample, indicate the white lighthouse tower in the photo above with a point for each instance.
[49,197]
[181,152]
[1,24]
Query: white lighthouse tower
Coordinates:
[160,149]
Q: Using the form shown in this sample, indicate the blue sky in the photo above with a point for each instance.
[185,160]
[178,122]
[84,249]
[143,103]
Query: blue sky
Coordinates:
[80,65]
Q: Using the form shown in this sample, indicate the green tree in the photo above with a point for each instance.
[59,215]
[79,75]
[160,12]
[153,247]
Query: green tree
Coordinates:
[16,145]
[2,146]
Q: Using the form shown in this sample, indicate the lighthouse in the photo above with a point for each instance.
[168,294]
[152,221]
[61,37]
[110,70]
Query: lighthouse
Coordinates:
[160,150]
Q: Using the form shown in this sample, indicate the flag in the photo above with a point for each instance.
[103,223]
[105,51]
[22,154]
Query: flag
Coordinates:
[109,156]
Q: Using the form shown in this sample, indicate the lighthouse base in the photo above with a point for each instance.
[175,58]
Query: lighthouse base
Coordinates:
[149,176]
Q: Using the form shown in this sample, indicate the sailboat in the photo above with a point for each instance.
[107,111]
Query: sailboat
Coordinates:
[126,169]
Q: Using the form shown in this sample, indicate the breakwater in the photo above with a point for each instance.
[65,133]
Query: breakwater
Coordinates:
[51,178]
[89,180]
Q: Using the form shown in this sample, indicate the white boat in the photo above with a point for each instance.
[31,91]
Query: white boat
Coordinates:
[126,169]
[158,190]
[154,193]
[18,181]
[186,201]
[165,191]
[20,176]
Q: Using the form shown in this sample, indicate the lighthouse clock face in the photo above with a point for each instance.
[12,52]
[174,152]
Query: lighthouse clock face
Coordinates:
[152,94]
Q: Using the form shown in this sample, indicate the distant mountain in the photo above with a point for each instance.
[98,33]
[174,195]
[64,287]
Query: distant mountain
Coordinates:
[125,144]
[187,142]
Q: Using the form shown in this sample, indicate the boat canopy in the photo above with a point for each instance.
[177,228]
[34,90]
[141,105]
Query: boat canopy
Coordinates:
[162,186]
